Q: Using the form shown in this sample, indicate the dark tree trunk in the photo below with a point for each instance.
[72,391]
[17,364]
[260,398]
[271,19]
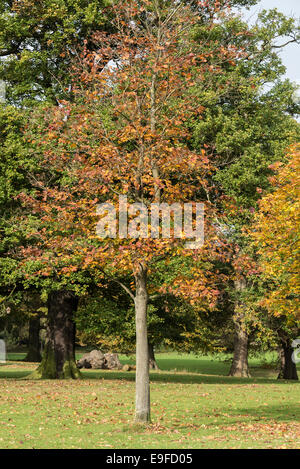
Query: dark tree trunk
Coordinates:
[288,368]
[34,345]
[142,413]
[59,353]
[152,362]
[240,367]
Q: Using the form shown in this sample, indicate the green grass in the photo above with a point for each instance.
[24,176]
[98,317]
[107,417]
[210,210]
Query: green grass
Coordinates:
[196,406]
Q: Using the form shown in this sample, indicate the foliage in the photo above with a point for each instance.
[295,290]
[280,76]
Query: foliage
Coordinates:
[12,180]
[86,143]
[276,232]
[36,38]
[247,123]
[219,114]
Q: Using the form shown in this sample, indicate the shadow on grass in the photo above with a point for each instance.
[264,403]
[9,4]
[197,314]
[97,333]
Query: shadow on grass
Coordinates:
[185,371]
[14,374]
[184,378]
[191,364]
[259,415]
[158,377]
[243,417]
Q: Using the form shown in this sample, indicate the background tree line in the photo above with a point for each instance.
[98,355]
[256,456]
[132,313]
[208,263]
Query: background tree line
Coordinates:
[194,108]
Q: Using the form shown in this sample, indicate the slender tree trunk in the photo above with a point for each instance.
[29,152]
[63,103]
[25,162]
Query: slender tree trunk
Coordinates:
[34,352]
[288,368]
[240,367]
[142,414]
[59,353]
[152,362]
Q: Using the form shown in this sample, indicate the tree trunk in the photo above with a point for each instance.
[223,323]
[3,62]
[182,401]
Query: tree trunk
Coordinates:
[59,353]
[152,362]
[240,367]
[34,353]
[142,413]
[288,368]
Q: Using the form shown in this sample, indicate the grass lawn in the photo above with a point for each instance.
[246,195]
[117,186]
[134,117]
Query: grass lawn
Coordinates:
[193,403]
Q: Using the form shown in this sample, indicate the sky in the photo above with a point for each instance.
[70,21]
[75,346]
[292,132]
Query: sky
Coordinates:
[290,54]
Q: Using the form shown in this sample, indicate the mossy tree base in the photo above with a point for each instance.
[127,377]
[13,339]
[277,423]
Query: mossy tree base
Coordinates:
[58,360]
[48,368]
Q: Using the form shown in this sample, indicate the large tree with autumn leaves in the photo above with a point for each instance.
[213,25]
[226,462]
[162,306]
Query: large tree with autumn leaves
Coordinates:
[125,134]
[276,232]
[275,245]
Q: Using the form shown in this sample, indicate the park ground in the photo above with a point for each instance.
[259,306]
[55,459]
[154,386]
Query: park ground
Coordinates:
[193,404]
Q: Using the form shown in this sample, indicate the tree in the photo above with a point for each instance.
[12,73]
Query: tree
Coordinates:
[37,40]
[125,135]
[288,368]
[246,126]
[12,180]
[59,355]
[229,98]
[278,248]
